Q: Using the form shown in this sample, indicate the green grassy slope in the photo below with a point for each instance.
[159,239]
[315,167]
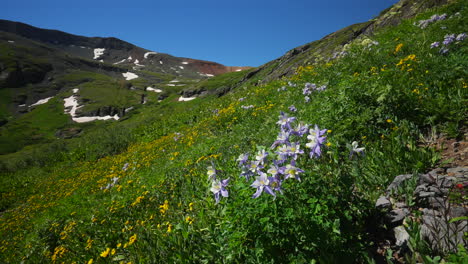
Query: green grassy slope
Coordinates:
[386,97]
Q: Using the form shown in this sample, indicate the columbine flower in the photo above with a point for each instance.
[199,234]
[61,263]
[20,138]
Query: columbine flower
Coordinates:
[307,99]
[262,183]
[242,159]
[261,157]
[449,39]
[283,153]
[294,149]
[435,44]
[308,88]
[355,150]
[211,172]
[274,170]
[125,167]
[247,106]
[461,37]
[285,121]
[292,108]
[291,84]
[443,51]
[300,129]
[316,141]
[219,188]
[291,171]
[241,99]
[282,138]
[322,88]
[255,166]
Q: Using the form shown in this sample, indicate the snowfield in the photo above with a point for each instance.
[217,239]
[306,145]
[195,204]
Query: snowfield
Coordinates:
[129,76]
[149,53]
[98,53]
[185,99]
[42,101]
[71,105]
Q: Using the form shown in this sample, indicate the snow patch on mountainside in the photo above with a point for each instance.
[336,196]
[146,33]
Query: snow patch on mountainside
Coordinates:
[156,90]
[120,61]
[129,76]
[42,101]
[71,105]
[98,53]
[149,53]
[184,62]
[185,99]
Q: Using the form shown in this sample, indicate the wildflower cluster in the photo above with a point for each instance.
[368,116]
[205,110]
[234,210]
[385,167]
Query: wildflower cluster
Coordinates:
[424,23]
[272,168]
[309,88]
[111,184]
[448,39]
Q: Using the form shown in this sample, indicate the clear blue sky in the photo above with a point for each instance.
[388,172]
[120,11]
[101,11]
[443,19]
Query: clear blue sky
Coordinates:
[234,33]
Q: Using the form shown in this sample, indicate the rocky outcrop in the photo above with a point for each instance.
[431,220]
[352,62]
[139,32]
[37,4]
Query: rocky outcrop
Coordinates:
[438,203]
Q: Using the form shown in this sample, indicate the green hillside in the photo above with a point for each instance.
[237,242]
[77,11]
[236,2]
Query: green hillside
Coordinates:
[145,189]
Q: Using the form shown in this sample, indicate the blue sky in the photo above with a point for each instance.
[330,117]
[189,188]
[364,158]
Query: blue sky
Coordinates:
[234,33]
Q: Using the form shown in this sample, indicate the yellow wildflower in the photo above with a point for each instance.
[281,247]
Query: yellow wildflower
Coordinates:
[389,120]
[132,239]
[169,228]
[90,261]
[105,253]
[398,48]
[164,207]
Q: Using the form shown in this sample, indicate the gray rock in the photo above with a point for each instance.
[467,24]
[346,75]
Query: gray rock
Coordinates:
[425,194]
[458,211]
[401,205]
[398,181]
[401,236]
[435,172]
[426,178]
[441,235]
[421,188]
[458,171]
[396,216]
[383,202]
[430,212]
[446,182]
[437,202]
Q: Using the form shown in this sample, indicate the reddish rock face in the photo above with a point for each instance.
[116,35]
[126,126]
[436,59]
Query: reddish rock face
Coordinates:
[209,67]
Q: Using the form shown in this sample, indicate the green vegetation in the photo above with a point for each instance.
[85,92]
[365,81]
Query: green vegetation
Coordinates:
[137,190]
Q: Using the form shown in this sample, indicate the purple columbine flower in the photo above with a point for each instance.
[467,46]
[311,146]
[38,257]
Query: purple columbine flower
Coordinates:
[274,170]
[285,121]
[449,39]
[443,50]
[435,44]
[316,141]
[300,129]
[292,108]
[283,153]
[291,84]
[241,99]
[307,99]
[262,183]
[356,150]
[291,171]
[322,88]
[294,150]
[246,172]
[461,37]
[308,88]
[282,138]
[219,188]
[125,167]
[243,159]
[211,172]
[261,156]
[255,166]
